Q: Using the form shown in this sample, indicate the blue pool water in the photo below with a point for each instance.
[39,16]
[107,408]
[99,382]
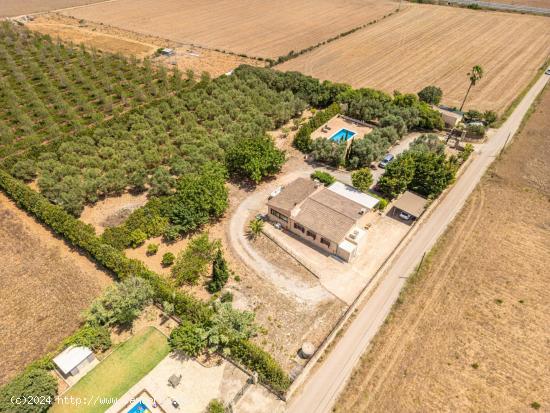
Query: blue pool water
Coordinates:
[139,408]
[342,135]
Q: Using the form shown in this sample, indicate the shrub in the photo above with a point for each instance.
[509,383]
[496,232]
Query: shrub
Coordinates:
[220,273]
[121,303]
[490,117]
[137,238]
[465,154]
[227,297]
[431,95]
[475,131]
[215,406]
[152,249]
[95,337]
[323,177]
[228,325]
[362,179]
[168,259]
[34,382]
[188,338]
[473,115]
[192,263]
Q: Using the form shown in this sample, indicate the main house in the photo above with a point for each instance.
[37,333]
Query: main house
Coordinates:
[332,218]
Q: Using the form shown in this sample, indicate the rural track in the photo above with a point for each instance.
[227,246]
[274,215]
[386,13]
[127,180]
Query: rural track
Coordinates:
[323,387]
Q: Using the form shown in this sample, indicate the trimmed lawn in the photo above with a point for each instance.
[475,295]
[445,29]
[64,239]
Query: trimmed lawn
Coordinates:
[114,376]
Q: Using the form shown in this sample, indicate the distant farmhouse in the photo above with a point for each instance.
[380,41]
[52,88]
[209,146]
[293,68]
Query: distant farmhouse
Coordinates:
[332,218]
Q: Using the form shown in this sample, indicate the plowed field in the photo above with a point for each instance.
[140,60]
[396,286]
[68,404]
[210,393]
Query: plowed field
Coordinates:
[252,27]
[438,45]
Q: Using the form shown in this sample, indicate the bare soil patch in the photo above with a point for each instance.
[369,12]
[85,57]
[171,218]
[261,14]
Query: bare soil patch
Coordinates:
[112,211]
[129,43]
[80,34]
[255,28]
[471,333]
[11,8]
[438,45]
[45,287]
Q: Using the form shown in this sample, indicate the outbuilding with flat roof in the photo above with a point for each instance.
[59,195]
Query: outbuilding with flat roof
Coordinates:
[410,203]
[73,358]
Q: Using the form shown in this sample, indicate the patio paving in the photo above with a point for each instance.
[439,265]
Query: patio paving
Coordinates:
[197,387]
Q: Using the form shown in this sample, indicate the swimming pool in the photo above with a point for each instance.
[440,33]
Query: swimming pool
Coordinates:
[139,408]
[342,135]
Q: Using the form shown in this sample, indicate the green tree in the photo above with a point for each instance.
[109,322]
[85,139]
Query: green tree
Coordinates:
[431,95]
[198,198]
[121,303]
[220,273]
[398,175]
[255,158]
[152,249]
[35,382]
[362,179]
[474,75]
[188,338]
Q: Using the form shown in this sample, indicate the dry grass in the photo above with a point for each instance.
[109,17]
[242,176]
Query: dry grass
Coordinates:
[255,27]
[115,40]
[10,8]
[471,332]
[44,288]
[425,45]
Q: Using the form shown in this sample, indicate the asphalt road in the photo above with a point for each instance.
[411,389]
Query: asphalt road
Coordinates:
[320,391]
[503,6]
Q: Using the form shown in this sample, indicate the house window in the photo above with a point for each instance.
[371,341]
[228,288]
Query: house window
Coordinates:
[311,234]
[325,241]
[279,215]
[299,227]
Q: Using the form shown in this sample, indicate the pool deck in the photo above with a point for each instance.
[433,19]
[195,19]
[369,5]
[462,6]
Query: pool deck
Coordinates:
[198,386]
[337,123]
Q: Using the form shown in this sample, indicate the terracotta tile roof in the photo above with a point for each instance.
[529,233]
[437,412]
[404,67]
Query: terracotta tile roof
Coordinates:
[338,203]
[293,194]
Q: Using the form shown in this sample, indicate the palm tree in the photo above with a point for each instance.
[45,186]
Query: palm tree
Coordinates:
[475,75]
[255,228]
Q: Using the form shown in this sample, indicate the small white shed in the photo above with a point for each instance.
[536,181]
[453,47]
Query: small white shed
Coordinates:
[70,360]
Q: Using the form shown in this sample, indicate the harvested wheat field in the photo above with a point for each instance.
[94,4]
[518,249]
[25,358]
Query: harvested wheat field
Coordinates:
[470,332]
[438,45]
[11,8]
[254,27]
[45,287]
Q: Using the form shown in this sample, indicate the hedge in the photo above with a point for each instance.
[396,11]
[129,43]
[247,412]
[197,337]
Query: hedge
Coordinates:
[302,140]
[269,371]
[83,236]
